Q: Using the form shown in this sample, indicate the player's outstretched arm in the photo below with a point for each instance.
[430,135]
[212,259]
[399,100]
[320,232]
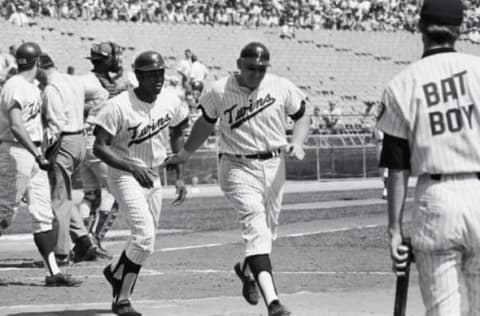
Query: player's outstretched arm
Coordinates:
[102,150]
[200,131]
[300,131]
[177,142]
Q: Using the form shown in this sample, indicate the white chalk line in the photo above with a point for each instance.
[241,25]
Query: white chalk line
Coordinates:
[154,273]
[167,303]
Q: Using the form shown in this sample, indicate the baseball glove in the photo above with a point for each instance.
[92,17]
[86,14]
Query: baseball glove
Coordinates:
[181,193]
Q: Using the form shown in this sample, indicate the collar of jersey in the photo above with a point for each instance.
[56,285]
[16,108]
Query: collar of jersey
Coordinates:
[438,51]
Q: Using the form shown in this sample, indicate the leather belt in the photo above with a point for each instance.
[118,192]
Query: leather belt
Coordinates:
[73,133]
[438,176]
[38,144]
[259,156]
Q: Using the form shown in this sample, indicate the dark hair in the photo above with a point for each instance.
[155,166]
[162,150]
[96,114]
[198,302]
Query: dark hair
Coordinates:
[440,34]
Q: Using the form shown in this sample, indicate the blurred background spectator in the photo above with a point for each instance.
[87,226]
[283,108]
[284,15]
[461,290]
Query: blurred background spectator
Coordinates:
[287,15]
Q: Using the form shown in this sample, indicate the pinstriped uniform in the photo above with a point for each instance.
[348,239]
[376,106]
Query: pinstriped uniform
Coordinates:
[140,134]
[252,122]
[19,173]
[440,119]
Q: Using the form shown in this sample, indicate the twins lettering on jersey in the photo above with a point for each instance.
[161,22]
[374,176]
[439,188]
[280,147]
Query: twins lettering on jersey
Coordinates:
[444,91]
[141,132]
[30,111]
[237,116]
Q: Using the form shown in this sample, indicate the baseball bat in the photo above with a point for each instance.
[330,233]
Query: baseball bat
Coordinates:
[401,292]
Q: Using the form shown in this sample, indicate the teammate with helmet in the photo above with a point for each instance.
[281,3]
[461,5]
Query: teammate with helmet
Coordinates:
[22,164]
[251,107]
[431,124]
[131,138]
[98,203]
[197,89]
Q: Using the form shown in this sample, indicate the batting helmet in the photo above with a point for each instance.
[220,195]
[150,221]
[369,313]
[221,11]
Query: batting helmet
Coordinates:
[149,61]
[27,54]
[107,52]
[255,53]
[197,85]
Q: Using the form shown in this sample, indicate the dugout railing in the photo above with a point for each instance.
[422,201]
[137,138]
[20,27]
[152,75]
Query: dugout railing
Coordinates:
[326,157]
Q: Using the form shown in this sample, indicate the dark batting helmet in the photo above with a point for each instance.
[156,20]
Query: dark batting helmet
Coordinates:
[107,52]
[27,54]
[149,61]
[255,53]
[197,85]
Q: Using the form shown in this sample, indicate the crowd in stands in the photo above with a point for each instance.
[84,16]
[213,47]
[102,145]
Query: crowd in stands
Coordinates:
[385,15]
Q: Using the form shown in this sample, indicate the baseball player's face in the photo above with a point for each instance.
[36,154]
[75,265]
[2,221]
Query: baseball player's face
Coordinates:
[152,81]
[252,74]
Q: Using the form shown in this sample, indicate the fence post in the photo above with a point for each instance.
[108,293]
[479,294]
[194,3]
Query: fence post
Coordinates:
[317,154]
[364,157]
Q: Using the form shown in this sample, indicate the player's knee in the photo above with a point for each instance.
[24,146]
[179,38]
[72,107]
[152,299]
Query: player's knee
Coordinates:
[145,243]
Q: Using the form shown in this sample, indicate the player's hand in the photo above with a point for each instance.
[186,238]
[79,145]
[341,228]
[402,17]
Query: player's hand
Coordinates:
[181,192]
[177,158]
[144,176]
[399,254]
[42,162]
[295,151]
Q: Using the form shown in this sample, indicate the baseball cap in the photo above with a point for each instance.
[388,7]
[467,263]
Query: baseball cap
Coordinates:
[442,12]
[255,53]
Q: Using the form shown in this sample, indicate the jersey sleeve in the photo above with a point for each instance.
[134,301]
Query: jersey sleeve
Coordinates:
[109,118]
[181,112]
[296,101]
[209,106]
[12,93]
[390,117]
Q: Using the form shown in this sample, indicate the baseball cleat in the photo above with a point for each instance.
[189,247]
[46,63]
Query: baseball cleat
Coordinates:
[249,289]
[277,309]
[61,279]
[115,283]
[124,308]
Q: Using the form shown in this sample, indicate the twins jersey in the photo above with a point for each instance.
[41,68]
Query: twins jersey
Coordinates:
[433,104]
[18,90]
[252,121]
[139,129]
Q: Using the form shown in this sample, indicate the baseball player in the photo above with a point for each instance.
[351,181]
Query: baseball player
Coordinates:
[252,108]
[22,164]
[431,124]
[98,203]
[131,138]
[64,97]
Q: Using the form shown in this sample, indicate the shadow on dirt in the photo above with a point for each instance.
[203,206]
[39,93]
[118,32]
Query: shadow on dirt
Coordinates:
[86,312]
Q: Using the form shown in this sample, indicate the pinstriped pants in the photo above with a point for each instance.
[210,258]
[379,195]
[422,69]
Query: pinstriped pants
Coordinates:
[255,188]
[142,207]
[19,175]
[446,242]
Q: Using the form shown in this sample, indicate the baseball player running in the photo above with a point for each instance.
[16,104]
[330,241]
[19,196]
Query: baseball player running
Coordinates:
[431,125]
[64,98]
[98,203]
[131,138]
[252,107]
[22,164]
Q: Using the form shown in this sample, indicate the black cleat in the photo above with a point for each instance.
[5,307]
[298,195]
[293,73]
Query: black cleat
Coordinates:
[277,309]
[124,308]
[249,289]
[61,279]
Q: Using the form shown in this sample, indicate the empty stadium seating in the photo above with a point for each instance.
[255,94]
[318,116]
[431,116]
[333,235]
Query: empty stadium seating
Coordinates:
[347,66]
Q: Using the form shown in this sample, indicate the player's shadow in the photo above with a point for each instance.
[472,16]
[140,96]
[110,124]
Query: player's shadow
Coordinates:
[26,263]
[85,312]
